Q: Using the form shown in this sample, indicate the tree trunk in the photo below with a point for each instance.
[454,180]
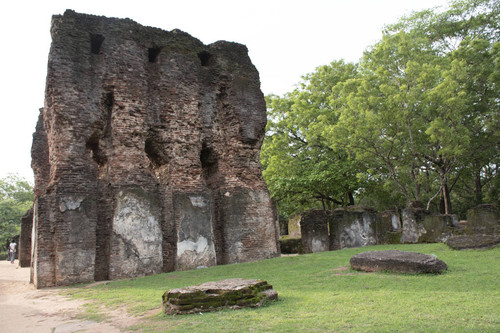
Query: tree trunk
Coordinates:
[478,190]
[445,200]
[351,198]
[417,189]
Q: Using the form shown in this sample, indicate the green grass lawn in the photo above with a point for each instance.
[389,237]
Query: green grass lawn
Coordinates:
[320,293]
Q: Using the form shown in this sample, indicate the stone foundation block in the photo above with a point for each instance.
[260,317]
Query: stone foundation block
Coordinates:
[397,261]
[213,296]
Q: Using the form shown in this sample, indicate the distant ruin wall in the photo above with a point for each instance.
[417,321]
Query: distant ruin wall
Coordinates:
[25,239]
[421,226]
[294,226]
[355,226]
[314,231]
[326,230]
[483,219]
[146,154]
[389,228]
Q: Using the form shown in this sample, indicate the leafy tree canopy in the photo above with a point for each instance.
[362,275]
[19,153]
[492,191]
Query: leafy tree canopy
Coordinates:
[301,169]
[418,115]
[16,197]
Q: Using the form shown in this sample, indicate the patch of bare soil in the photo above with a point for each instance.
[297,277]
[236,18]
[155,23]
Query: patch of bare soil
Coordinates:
[26,309]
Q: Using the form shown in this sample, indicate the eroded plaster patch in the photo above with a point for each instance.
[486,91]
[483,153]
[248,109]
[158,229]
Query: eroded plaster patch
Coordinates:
[198,201]
[199,246]
[396,223]
[70,203]
[318,245]
[137,231]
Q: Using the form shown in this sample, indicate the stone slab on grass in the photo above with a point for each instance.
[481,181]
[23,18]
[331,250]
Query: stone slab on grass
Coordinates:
[213,296]
[397,261]
[463,242]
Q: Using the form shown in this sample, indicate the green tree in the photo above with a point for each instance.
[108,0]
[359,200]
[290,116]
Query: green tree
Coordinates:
[300,168]
[469,108]
[426,105]
[381,113]
[16,197]
[467,35]
[419,114]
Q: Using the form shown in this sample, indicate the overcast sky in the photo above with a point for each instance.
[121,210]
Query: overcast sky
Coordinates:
[286,39]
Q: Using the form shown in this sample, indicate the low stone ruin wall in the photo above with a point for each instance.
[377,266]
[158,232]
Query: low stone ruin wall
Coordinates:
[322,230]
[420,226]
[290,245]
[314,231]
[294,226]
[389,227]
[353,227]
[483,219]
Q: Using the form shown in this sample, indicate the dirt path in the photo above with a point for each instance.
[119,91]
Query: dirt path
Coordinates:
[26,309]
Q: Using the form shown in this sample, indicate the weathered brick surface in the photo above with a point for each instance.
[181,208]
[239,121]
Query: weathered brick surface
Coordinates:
[146,154]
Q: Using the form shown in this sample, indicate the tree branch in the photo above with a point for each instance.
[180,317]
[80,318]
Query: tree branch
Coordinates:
[433,197]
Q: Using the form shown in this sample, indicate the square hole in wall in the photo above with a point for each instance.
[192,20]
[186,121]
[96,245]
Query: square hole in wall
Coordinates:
[206,58]
[96,41]
[153,53]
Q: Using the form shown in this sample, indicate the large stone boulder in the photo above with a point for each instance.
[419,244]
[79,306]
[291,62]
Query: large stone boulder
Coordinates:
[464,242]
[397,261]
[213,296]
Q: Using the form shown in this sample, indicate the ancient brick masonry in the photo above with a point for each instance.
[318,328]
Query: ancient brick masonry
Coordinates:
[146,154]
[24,252]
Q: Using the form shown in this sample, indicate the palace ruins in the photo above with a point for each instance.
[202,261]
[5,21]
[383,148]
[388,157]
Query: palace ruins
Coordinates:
[146,155]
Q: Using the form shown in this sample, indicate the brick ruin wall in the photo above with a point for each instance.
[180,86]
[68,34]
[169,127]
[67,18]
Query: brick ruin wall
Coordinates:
[24,245]
[483,219]
[327,230]
[314,230]
[146,154]
[354,226]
